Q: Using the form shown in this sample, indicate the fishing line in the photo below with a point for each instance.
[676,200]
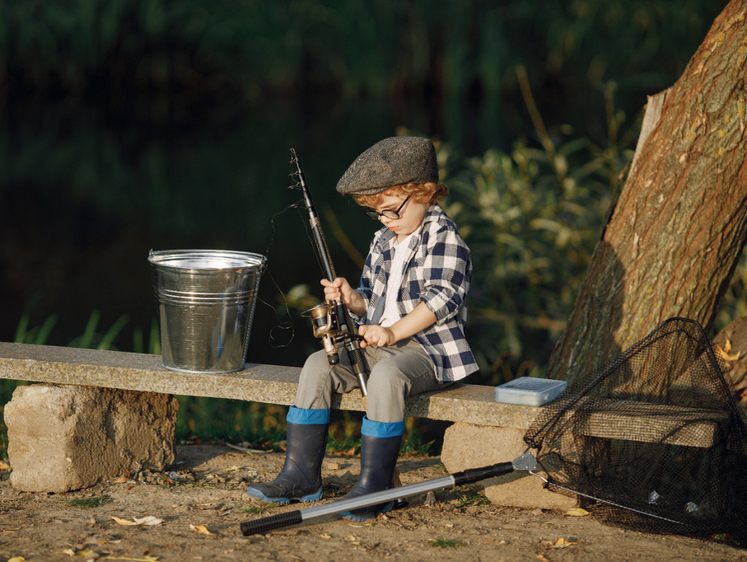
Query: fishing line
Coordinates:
[281,325]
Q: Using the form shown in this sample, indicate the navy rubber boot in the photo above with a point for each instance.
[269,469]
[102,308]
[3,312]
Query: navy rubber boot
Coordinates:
[380,444]
[301,476]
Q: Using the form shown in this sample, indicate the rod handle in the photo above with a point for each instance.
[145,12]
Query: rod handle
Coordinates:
[476,474]
[269,523]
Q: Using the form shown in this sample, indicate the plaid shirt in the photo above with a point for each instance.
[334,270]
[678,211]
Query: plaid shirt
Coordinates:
[438,271]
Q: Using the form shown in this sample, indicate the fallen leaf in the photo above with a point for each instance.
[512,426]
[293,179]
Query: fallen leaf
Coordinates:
[724,353]
[4,466]
[562,543]
[123,521]
[121,480]
[577,512]
[199,529]
[325,536]
[149,520]
[17,559]
[69,552]
[147,558]
[542,558]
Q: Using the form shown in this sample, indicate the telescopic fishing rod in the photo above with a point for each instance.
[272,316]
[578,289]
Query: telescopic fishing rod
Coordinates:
[525,462]
[330,320]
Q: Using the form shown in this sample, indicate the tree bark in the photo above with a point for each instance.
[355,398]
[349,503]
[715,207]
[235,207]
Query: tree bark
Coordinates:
[678,228]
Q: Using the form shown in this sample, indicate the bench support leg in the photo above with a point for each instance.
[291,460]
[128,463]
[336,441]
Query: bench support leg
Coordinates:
[63,437]
[472,446]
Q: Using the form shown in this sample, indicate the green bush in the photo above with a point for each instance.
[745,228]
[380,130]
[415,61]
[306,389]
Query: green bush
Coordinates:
[531,218]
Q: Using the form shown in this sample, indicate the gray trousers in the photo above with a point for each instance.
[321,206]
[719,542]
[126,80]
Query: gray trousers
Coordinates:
[395,372]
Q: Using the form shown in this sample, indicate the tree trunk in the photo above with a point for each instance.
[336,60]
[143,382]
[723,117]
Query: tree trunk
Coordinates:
[678,228]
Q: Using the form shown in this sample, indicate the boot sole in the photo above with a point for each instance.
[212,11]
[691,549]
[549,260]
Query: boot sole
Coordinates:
[361,518]
[257,494]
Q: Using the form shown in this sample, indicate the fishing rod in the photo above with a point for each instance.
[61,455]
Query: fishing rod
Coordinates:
[525,462]
[331,321]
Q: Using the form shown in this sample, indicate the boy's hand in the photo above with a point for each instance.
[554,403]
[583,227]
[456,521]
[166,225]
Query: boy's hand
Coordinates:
[337,289]
[373,334]
[341,289]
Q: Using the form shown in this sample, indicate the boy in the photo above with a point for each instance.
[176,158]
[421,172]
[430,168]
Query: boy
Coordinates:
[410,306]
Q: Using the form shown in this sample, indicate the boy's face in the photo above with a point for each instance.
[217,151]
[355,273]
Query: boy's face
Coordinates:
[411,214]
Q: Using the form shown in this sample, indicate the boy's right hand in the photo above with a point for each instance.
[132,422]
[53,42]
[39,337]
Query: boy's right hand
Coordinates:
[337,289]
[341,289]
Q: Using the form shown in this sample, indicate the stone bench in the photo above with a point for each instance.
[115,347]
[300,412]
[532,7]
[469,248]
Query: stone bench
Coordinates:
[484,432]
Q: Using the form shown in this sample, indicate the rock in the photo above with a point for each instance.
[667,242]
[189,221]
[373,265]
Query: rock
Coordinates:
[474,446]
[64,437]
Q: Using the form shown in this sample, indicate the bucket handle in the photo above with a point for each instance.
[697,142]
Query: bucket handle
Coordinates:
[260,271]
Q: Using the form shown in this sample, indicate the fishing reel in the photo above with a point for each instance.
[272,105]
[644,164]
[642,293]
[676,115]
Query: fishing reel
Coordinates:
[325,326]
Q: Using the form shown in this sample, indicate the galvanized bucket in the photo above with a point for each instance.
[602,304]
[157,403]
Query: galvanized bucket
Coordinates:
[206,301]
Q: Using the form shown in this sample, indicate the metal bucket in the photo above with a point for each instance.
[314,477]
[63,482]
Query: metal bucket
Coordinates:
[206,301]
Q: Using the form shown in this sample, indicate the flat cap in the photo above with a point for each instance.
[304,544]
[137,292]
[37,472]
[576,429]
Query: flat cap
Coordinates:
[392,161]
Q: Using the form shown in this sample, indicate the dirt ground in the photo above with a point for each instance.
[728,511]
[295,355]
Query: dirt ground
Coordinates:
[199,505]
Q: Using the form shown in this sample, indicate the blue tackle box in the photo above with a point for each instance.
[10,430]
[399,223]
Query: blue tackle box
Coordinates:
[529,391]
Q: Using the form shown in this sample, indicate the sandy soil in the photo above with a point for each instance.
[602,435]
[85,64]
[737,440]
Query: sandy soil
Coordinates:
[201,503]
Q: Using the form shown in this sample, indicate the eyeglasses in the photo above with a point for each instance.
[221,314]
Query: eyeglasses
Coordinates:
[393,215]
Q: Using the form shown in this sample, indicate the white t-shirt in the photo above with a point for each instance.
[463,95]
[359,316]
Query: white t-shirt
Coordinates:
[391,311]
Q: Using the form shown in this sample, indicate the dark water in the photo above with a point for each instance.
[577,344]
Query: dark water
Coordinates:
[84,197]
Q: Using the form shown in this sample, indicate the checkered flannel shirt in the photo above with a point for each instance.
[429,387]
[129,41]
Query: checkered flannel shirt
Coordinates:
[438,271]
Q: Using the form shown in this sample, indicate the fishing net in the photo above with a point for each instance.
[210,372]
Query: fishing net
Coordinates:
[652,441]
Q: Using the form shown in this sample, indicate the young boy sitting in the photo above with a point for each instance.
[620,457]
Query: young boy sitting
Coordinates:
[410,307]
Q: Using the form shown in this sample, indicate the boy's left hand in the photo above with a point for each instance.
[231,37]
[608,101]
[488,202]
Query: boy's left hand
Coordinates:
[374,334]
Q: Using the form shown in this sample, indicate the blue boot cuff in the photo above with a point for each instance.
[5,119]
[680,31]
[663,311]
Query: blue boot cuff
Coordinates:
[382,429]
[302,416]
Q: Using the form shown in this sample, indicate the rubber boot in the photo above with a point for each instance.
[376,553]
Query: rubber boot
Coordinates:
[301,476]
[379,451]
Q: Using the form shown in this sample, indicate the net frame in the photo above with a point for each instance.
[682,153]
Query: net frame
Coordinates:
[653,440]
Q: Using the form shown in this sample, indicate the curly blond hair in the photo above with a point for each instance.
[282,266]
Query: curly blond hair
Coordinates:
[421,192]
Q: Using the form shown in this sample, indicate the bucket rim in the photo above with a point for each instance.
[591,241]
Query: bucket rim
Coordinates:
[167,259]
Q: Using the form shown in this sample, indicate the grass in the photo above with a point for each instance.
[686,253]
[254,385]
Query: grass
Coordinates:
[443,542]
[471,498]
[88,503]
[256,509]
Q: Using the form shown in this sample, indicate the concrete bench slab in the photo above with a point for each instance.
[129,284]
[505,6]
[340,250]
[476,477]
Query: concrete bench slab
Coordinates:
[484,432]
[275,384]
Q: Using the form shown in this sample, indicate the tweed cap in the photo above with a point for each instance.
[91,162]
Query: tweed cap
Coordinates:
[392,161]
